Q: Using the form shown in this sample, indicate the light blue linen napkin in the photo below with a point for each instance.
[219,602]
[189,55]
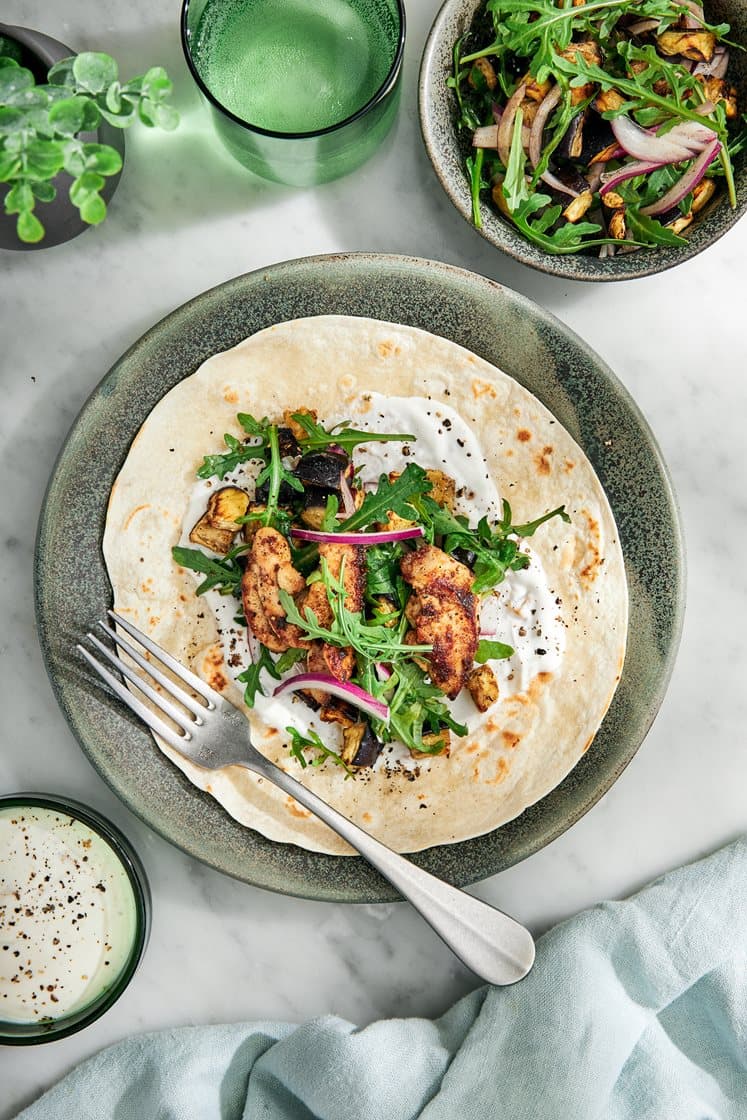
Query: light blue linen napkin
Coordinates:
[635,1010]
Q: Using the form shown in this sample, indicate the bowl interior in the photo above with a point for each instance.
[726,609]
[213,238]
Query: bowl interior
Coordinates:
[437,122]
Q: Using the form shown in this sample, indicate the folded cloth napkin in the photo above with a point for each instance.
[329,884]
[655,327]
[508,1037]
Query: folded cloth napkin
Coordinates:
[634,1010]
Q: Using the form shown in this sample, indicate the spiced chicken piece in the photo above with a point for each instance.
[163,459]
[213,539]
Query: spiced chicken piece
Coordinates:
[444,614]
[268,571]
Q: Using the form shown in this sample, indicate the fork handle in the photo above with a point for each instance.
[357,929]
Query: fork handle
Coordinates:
[495,946]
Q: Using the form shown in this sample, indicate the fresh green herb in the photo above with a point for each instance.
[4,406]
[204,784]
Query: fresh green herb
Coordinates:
[300,743]
[251,677]
[417,708]
[227,462]
[349,628]
[492,651]
[544,38]
[329,521]
[648,230]
[494,548]
[41,127]
[275,473]
[289,658]
[341,435]
[224,575]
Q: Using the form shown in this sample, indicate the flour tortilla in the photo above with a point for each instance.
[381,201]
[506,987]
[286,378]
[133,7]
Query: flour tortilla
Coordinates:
[531,740]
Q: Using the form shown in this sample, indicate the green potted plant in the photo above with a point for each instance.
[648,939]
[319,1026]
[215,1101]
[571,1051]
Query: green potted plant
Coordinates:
[61,144]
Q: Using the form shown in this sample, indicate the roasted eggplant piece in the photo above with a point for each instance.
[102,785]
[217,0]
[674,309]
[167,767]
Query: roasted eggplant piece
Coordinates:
[576,209]
[716,90]
[286,493]
[293,426]
[322,469]
[702,195]
[483,687]
[443,488]
[360,747]
[697,45]
[218,526]
[598,140]
[485,67]
[572,144]
[288,444]
[607,100]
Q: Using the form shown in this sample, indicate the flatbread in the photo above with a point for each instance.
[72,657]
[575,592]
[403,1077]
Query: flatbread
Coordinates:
[530,740]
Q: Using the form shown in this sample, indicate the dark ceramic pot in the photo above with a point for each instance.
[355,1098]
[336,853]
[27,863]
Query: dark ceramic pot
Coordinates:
[60,218]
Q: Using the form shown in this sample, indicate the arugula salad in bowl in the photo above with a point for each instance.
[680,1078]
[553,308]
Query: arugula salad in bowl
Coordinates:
[603,126]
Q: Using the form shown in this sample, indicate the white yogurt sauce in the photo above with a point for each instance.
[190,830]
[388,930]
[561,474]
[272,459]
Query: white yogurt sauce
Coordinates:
[522,612]
[67,914]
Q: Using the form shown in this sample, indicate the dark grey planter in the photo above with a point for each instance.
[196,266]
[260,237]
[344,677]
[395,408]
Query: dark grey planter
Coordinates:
[60,218]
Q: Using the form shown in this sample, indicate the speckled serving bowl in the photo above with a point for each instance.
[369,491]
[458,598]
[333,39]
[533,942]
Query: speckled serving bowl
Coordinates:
[437,122]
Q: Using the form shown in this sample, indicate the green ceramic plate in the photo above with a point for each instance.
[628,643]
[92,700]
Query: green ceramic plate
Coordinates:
[72,589]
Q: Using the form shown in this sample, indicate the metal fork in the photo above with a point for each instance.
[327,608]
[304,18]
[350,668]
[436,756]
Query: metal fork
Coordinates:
[214,734]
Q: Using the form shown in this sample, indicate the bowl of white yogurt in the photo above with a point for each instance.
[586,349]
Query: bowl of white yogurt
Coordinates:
[74,917]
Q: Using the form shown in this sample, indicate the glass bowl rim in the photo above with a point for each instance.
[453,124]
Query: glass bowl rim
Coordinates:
[137,877]
[378,96]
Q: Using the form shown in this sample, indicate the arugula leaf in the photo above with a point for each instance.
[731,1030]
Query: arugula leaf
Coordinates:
[251,676]
[394,497]
[646,228]
[417,707]
[299,743]
[492,651]
[225,463]
[515,185]
[289,658]
[341,435]
[224,574]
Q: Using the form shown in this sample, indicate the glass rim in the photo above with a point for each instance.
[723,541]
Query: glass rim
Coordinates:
[36,1033]
[378,96]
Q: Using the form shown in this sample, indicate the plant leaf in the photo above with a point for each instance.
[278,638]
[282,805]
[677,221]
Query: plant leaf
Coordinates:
[85,186]
[45,192]
[29,228]
[93,209]
[102,158]
[13,79]
[20,197]
[94,71]
[44,158]
[68,115]
[61,74]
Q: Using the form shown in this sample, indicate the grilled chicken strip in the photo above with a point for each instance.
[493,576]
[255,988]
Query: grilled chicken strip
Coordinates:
[269,570]
[337,661]
[444,614]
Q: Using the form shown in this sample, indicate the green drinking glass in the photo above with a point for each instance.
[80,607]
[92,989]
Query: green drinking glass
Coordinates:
[300,91]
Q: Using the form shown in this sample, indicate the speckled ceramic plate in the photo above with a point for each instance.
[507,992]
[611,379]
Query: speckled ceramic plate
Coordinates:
[72,589]
[437,116]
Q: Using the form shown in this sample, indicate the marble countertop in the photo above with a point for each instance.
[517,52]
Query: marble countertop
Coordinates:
[186,218]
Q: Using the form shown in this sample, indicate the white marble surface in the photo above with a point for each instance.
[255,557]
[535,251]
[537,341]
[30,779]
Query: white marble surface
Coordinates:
[186,218]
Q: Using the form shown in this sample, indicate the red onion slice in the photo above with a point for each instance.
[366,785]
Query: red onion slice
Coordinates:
[696,18]
[343,690]
[538,124]
[716,68]
[506,127]
[357,538]
[641,144]
[687,183]
[558,184]
[348,499]
[485,137]
[642,26]
[612,179]
[692,135]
